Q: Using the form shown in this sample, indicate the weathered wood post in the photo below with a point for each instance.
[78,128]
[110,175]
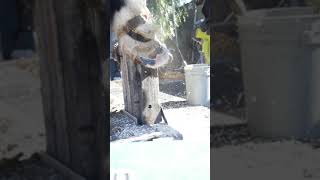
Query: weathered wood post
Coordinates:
[1,57]
[72,40]
[141,91]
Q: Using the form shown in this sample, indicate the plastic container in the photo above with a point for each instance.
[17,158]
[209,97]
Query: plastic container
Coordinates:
[279,71]
[197,78]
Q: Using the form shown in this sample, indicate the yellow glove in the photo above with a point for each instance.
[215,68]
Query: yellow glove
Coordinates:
[205,38]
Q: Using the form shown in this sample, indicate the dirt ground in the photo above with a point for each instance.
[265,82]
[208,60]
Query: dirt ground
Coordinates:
[21,118]
[265,161]
[235,154]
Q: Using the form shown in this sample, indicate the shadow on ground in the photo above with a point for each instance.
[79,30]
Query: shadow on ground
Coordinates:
[174,104]
[173,87]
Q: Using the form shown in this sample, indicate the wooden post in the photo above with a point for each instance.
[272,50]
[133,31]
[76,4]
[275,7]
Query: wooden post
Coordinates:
[1,57]
[140,91]
[72,43]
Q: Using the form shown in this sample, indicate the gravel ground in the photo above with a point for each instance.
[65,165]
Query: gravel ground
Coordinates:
[123,127]
[173,87]
[30,169]
[234,150]
[265,160]
[230,135]
[181,116]
[239,134]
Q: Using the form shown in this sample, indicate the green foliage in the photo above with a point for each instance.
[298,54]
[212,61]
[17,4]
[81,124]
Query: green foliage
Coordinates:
[167,15]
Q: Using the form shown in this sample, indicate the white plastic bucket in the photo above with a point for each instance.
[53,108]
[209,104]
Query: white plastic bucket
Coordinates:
[198,84]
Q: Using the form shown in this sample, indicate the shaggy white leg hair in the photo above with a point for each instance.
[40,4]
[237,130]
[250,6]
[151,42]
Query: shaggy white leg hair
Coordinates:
[131,47]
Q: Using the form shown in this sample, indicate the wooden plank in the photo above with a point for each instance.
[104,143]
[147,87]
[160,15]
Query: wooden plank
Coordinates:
[125,86]
[45,75]
[1,56]
[63,152]
[144,137]
[134,82]
[58,166]
[53,84]
[150,92]
[72,42]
